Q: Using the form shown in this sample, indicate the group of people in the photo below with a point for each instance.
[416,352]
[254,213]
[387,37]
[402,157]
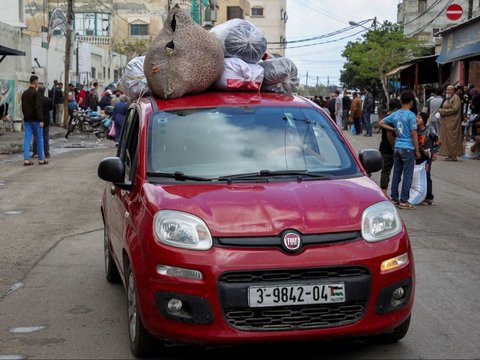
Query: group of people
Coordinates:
[410,137]
[40,111]
[345,110]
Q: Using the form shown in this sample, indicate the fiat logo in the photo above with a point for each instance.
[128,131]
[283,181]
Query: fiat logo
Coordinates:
[291,241]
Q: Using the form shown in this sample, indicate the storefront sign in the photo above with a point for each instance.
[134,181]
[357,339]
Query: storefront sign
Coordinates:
[460,44]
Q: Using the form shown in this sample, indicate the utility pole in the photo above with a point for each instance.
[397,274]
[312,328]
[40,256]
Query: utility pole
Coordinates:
[68,46]
[470,9]
[306,80]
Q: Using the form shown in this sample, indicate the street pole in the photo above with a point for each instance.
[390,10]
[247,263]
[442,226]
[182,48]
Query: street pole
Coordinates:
[68,46]
[306,80]
[470,9]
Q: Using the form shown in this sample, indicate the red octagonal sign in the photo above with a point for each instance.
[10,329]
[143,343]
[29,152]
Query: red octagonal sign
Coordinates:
[454,12]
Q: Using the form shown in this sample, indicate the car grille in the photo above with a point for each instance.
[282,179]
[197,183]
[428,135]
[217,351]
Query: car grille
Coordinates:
[233,287]
[294,274]
[295,317]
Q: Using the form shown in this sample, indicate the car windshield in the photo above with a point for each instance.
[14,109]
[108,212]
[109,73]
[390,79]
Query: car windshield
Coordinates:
[227,141]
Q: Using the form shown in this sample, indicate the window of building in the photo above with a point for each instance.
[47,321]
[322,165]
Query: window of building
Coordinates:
[422,6]
[94,72]
[92,24]
[257,11]
[234,12]
[138,29]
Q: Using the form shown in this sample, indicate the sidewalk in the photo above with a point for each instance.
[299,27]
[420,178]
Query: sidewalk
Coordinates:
[12,142]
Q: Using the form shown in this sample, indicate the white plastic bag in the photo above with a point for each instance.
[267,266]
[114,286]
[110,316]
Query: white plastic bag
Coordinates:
[238,75]
[418,190]
[133,82]
[241,39]
[281,75]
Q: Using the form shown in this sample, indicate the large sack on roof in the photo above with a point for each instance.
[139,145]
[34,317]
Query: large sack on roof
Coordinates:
[280,75]
[133,82]
[184,58]
[238,75]
[241,39]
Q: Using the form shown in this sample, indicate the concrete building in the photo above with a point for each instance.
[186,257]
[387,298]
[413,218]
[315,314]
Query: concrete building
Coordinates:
[424,19]
[271,16]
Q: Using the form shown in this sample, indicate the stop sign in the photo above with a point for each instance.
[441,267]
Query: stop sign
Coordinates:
[454,12]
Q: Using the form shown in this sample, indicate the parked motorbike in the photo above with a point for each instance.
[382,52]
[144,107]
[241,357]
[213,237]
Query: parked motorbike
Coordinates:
[89,122]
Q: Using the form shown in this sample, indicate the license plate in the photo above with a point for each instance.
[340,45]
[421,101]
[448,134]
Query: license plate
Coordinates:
[261,296]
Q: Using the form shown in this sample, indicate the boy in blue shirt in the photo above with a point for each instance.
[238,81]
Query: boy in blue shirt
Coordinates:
[404,123]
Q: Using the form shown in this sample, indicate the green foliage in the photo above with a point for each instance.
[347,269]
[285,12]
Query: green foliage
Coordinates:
[380,51]
[132,48]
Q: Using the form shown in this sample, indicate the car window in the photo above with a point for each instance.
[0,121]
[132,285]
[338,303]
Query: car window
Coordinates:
[230,140]
[127,149]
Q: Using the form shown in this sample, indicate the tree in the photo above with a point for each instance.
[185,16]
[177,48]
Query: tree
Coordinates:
[380,51]
[132,48]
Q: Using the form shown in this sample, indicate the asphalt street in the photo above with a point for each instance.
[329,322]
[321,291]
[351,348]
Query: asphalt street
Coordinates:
[56,303]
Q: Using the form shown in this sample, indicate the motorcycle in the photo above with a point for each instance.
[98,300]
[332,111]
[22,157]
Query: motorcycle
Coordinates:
[89,122]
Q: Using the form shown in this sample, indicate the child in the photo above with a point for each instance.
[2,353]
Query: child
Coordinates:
[386,148]
[403,121]
[428,143]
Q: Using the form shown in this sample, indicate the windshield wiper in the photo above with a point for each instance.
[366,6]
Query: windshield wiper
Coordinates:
[266,173]
[178,175]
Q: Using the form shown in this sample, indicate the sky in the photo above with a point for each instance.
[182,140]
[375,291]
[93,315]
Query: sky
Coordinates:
[313,18]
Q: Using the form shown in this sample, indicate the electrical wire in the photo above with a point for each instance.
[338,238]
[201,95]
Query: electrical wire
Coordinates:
[320,43]
[441,12]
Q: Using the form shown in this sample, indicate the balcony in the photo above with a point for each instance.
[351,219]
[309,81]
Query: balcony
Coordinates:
[95,40]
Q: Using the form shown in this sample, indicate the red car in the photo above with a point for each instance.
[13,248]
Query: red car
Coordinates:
[243,217]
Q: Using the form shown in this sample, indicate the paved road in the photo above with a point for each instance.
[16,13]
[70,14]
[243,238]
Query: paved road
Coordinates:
[55,303]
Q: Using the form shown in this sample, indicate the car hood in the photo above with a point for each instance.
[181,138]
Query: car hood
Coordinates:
[262,209]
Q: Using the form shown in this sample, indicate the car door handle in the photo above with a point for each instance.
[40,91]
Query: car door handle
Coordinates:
[127,214]
[112,190]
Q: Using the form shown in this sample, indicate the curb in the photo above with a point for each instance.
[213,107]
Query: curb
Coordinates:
[15,146]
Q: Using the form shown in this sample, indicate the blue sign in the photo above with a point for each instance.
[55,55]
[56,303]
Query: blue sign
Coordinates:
[460,44]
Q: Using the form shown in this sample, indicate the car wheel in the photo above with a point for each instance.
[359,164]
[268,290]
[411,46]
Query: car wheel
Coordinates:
[111,270]
[142,343]
[398,333]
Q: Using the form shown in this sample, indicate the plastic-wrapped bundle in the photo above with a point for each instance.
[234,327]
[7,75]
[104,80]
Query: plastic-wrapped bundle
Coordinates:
[241,39]
[238,75]
[280,75]
[133,82]
[184,58]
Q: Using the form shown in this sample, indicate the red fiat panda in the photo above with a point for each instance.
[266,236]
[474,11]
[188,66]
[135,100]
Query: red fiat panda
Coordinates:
[244,217]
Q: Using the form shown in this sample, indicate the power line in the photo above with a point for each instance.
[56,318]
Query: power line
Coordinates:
[431,21]
[320,43]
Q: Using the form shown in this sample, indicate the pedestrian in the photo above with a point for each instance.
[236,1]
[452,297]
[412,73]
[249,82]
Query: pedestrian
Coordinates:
[368,109]
[428,144]
[435,104]
[32,121]
[386,147]
[106,99]
[119,113]
[116,98]
[3,115]
[92,97]
[47,106]
[346,104]
[58,103]
[331,106]
[81,97]
[404,123]
[338,108]
[72,102]
[356,113]
[451,134]
[475,108]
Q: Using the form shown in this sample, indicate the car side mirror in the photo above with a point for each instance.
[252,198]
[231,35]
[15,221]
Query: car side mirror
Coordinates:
[112,169]
[371,160]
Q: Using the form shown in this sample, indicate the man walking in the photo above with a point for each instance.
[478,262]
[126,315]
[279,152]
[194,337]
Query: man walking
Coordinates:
[58,103]
[47,106]
[346,103]
[404,123]
[33,121]
[338,108]
[368,109]
[434,105]
[451,134]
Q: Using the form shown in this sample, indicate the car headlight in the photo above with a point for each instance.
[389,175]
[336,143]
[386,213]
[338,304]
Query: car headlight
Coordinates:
[181,230]
[380,221]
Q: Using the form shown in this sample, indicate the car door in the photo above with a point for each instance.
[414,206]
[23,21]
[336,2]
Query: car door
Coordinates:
[120,195]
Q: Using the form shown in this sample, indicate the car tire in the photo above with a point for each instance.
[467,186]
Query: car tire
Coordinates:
[142,343]
[111,270]
[397,334]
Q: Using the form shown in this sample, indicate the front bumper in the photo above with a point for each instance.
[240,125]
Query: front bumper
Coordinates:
[216,308]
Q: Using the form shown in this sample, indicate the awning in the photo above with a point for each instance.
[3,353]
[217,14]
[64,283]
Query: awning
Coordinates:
[4,51]
[398,69]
